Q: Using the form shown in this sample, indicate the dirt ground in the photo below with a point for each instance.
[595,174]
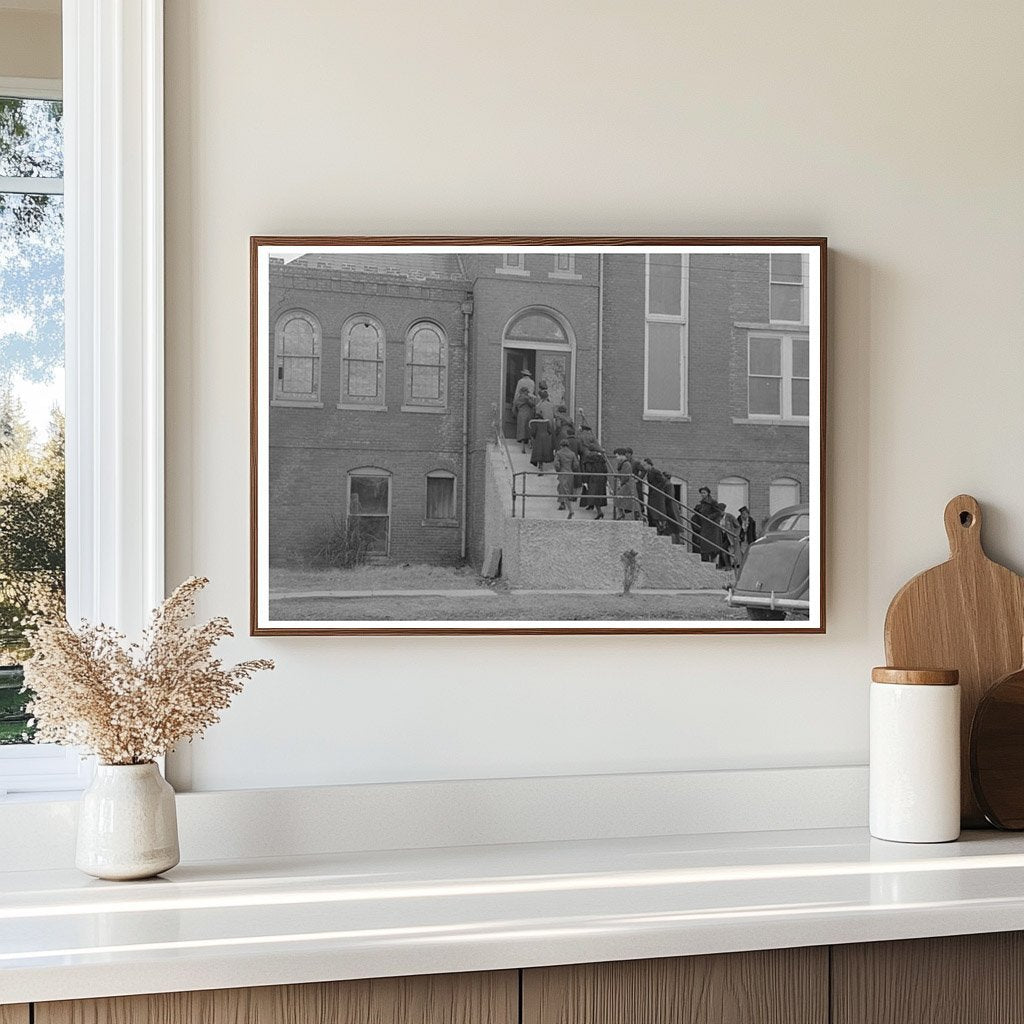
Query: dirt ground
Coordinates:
[506,605]
[375,577]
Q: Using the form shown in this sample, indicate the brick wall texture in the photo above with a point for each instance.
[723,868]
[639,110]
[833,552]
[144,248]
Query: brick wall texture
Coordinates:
[314,449]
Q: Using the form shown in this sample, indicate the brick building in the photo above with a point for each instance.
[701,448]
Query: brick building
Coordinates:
[699,361]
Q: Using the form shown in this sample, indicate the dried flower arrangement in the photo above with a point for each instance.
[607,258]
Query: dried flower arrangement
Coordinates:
[130,703]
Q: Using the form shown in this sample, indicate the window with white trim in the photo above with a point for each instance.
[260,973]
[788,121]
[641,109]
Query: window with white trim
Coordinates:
[734,493]
[778,376]
[513,263]
[782,493]
[441,495]
[362,363]
[666,341]
[426,366]
[32,527]
[297,353]
[564,264]
[787,288]
[369,510]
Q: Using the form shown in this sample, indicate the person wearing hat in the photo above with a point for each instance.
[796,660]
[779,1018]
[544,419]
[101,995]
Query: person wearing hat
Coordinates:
[703,525]
[747,529]
[728,530]
[522,408]
[525,380]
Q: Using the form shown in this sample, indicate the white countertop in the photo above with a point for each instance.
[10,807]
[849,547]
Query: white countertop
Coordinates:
[352,915]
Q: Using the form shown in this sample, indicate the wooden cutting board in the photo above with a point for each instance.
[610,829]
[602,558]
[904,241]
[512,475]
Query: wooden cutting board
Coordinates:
[967,614]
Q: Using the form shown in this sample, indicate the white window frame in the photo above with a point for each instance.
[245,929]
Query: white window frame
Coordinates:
[350,402]
[435,405]
[291,399]
[804,274]
[371,471]
[113,165]
[569,274]
[682,321]
[441,474]
[785,414]
[516,268]
[784,481]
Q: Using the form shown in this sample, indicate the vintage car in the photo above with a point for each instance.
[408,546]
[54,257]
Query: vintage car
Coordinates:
[774,580]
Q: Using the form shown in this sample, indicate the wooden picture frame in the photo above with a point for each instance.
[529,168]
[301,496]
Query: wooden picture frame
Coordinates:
[395,384]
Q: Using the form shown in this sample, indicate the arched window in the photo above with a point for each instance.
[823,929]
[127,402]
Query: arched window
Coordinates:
[441,495]
[537,326]
[297,344]
[426,367]
[362,364]
[369,509]
[735,492]
[783,492]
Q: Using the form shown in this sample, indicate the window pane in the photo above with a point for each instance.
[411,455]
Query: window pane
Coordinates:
[368,495]
[371,531]
[787,267]
[426,382]
[537,327]
[664,367]
[298,338]
[31,138]
[664,295]
[765,394]
[32,542]
[364,342]
[298,375]
[426,346]
[440,498]
[801,398]
[562,261]
[766,356]
[801,357]
[787,302]
[362,378]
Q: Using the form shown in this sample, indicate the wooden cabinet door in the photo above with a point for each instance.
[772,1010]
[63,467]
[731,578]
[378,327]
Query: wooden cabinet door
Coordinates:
[961,979]
[778,986]
[483,998]
[14,1014]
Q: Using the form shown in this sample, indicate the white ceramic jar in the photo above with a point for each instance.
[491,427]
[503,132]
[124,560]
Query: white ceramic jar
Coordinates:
[915,755]
[127,823]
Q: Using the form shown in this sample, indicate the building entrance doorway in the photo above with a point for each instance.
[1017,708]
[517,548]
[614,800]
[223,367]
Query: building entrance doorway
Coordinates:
[516,360]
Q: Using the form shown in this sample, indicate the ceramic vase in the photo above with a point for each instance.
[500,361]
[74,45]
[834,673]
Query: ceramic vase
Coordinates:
[127,825]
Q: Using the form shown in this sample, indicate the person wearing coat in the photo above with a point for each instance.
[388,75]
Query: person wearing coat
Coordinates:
[747,531]
[626,506]
[594,467]
[543,441]
[703,525]
[523,406]
[545,410]
[657,496]
[563,425]
[728,530]
[567,466]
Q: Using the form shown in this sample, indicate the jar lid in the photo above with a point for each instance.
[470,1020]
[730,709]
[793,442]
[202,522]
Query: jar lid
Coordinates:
[916,676]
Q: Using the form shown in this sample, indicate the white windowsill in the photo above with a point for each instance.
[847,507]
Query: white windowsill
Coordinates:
[771,421]
[437,410]
[778,326]
[512,272]
[287,403]
[667,417]
[362,408]
[561,275]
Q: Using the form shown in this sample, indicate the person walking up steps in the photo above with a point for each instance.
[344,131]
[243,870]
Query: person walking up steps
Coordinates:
[522,407]
[567,466]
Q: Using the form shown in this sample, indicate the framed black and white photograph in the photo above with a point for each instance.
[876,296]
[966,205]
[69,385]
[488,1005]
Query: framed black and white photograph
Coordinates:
[587,435]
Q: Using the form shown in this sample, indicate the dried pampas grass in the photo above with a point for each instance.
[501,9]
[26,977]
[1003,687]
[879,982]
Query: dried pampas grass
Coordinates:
[130,703]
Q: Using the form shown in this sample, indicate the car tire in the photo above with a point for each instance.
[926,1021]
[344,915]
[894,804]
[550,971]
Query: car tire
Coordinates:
[765,614]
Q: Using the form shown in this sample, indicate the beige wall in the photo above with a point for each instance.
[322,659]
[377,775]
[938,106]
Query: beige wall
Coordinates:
[29,44]
[895,129]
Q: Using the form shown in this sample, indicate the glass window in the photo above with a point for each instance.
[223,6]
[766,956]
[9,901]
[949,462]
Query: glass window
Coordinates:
[665,333]
[440,495]
[514,261]
[787,273]
[32,537]
[362,364]
[664,367]
[369,510]
[778,376]
[535,325]
[297,356]
[735,492]
[426,366]
[565,263]
[782,493]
